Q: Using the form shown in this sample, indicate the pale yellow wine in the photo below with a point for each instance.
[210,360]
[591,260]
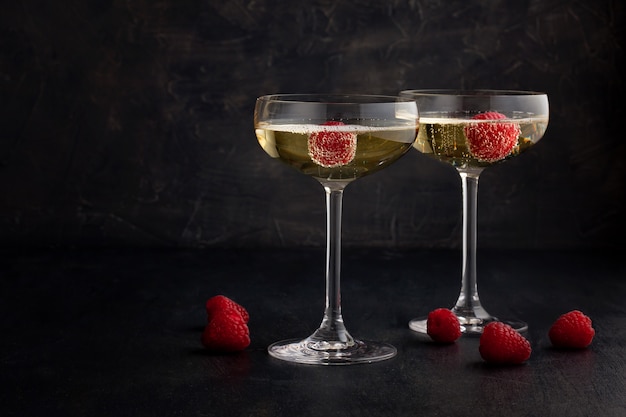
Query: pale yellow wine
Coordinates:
[444,138]
[376,147]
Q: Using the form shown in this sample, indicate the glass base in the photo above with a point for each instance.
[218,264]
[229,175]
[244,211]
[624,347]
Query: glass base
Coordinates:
[470,325]
[321,353]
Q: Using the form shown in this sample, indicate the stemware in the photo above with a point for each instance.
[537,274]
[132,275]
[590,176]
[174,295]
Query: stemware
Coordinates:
[335,139]
[473,130]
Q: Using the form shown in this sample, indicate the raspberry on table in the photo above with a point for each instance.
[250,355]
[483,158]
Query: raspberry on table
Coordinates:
[443,326]
[220,302]
[501,344]
[572,330]
[332,148]
[491,141]
[226,332]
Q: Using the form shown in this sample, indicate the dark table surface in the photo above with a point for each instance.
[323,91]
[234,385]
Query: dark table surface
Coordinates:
[117,333]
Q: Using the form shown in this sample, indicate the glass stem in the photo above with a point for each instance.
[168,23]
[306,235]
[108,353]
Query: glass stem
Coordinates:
[468,306]
[332,330]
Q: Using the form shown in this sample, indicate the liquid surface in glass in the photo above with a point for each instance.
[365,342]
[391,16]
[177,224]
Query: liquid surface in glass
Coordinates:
[443,136]
[369,148]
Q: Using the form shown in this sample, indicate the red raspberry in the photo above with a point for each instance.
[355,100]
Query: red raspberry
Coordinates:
[331,148]
[501,344]
[489,141]
[572,330]
[442,325]
[226,332]
[220,302]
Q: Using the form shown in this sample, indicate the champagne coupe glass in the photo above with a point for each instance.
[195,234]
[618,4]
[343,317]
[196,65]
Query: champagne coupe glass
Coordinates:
[473,130]
[334,139]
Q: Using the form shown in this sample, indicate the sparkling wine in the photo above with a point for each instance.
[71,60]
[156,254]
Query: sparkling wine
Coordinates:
[444,137]
[366,149]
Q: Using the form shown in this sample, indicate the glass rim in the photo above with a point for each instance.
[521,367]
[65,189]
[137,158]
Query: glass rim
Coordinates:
[472,92]
[333,98]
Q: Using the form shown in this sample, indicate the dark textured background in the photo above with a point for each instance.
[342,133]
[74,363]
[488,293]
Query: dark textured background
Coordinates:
[130,122]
